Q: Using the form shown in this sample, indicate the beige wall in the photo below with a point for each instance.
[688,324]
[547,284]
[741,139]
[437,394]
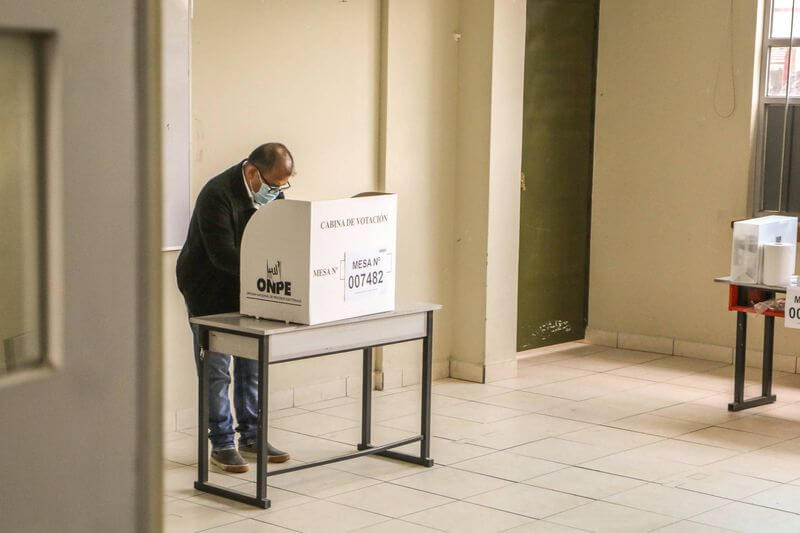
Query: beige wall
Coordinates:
[419,108]
[308,78]
[670,174]
[367,95]
[505,161]
[305,74]
[491,68]
[472,192]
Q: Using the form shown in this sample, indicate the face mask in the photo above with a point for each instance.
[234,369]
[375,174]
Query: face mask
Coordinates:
[265,195]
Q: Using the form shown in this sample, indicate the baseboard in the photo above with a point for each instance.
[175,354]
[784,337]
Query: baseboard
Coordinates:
[646,343]
[393,378]
[480,373]
[601,337]
[696,350]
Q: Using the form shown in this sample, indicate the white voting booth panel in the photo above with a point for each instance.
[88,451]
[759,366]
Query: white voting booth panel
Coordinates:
[314,262]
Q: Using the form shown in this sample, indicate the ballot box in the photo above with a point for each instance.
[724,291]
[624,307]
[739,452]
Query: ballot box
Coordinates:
[317,261]
[749,238]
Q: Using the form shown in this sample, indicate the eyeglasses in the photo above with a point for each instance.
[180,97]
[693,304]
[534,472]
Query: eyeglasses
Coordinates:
[281,188]
[271,188]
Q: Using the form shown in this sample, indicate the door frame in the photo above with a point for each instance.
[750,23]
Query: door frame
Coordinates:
[149,312]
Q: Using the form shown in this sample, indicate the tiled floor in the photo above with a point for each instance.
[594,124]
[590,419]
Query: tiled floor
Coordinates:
[586,438]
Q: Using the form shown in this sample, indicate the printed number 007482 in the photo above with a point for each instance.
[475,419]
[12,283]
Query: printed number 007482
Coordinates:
[362,280]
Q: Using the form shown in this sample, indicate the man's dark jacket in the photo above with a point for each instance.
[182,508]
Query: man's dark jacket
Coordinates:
[208,266]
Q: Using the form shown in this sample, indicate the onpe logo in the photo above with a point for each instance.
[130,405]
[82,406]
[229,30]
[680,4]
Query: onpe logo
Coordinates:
[274,283]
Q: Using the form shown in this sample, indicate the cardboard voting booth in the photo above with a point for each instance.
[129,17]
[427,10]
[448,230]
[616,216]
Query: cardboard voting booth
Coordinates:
[314,262]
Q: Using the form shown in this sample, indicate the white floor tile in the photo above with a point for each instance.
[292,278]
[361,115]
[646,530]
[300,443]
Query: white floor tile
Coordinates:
[729,438]
[179,482]
[763,466]
[380,468]
[314,424]
[616,439]
[587,387]
[695,412]
[448,452]
[390,500]
[637,465]
[668,368]
[750,518]
[784,497]
[711,480]
[543,526]
[380,435]
[658,425]
[601,410]
[686,452]
[181,450]
[248,526]
[181,516]
[463,517]
[535,376]
[323,517]
[523,429]
[687,526]
[668,501]
[279,499]
[321,482]
[607,517]
[509,466]
[525,401]
[447,481]
[307,448]
[396,526]
[480,412]
[562,451]
[610,360]
[765,425]
[445,427]
[586,483]
[527,500]
[466,390]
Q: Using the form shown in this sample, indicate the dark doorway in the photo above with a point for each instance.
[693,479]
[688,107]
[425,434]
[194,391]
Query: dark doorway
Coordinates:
[557,142]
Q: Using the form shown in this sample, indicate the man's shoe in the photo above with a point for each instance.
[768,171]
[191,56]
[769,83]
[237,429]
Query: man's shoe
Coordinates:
[274,455]
[229,460]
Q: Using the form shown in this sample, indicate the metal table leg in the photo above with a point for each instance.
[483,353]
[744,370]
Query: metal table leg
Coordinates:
[202,428]
[424,457]
[427,363]
[263,423]
[202,411]
[366,400]
[739,403]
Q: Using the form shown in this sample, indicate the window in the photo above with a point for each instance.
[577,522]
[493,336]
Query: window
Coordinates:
[779,159]
[21,202]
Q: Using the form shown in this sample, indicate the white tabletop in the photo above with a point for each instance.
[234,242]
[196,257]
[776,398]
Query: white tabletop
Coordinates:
[727,279]
[246,324]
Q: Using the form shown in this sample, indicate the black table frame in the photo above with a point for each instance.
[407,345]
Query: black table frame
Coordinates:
[365,447]
[738,302]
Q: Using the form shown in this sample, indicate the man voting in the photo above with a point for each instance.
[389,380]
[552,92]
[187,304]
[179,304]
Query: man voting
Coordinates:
[208,278]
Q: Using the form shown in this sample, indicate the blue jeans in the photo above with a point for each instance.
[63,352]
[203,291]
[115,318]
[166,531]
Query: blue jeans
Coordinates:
[245,396]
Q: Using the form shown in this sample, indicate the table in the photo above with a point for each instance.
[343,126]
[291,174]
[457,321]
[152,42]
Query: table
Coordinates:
[270,342]
[738,301]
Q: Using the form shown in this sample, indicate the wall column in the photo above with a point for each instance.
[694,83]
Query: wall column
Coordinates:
[489,151]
